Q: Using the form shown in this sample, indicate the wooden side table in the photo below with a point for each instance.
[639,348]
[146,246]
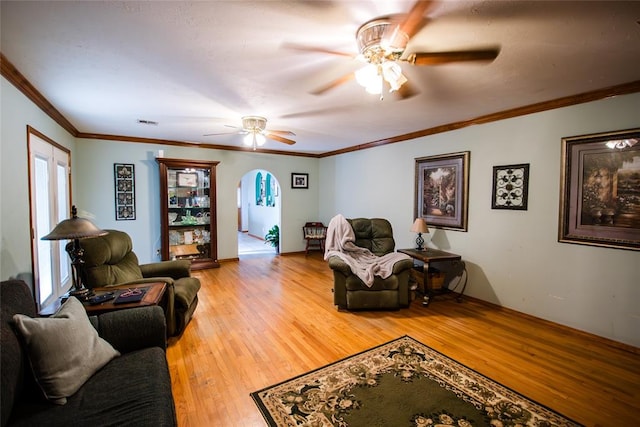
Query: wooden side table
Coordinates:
[153,296]
[429,255]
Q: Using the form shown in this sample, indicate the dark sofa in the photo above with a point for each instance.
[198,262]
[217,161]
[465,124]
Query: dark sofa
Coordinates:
[132,389]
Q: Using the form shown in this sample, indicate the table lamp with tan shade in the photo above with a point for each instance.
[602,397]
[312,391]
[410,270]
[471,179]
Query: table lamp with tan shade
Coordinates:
[75,229]
[419,226]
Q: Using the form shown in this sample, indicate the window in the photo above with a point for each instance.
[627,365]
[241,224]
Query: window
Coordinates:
[49,184]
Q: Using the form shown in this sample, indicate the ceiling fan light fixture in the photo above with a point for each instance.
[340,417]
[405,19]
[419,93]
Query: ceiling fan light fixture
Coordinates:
[254,139]
[392,73]
[370,78]
[381,48]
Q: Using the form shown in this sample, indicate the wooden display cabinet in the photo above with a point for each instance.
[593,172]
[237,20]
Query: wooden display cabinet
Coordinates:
[188,211]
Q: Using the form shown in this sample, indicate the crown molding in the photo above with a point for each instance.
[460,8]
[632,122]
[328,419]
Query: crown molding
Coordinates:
[124,138]
[623,89]
[14,76]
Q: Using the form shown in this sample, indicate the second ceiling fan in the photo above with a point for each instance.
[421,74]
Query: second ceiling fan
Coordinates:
[256,133]
[382,43]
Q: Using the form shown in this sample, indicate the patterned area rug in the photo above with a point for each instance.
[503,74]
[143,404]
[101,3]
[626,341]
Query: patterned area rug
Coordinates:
[401,383]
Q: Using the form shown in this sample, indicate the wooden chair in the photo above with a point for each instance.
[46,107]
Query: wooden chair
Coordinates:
[315,233]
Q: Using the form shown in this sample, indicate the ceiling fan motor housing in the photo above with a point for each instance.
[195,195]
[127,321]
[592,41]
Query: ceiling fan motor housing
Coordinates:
[378,43]
[254,124]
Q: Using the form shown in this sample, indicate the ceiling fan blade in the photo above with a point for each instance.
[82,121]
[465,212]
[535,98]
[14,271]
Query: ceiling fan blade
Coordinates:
[280,138]
[239,131]
[437,58]
[281,132]
[413,21]
[333,84]
[403,27]
[317,49]
[223,133]
[407,91]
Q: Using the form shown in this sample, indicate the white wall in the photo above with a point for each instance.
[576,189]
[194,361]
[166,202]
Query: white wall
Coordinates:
[16,113]
[260,219]
[94,161]
[513,257]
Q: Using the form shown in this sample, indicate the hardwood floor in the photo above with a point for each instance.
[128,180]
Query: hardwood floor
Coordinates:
[264,319]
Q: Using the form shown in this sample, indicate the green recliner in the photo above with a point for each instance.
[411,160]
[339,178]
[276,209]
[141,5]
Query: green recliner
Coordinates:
[109,260]
[350,292]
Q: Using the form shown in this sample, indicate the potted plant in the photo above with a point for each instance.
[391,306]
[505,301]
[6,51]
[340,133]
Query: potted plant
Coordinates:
[273,237]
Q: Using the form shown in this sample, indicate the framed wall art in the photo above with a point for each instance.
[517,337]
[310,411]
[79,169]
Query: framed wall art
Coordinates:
[600,190]
[510,187]
[124,175]
[187,179]
[299,180]
[442,190]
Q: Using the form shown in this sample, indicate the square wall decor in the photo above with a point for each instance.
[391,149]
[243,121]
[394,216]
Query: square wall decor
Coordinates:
[299,180]
[510,187]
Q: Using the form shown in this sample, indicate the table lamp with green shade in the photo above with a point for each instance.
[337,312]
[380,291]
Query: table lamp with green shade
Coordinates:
[75,229]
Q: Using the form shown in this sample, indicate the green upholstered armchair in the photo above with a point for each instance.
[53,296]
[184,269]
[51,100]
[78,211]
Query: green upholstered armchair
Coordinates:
[350,292]
[110,261]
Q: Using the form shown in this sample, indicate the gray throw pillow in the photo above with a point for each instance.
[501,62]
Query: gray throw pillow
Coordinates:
[64,349]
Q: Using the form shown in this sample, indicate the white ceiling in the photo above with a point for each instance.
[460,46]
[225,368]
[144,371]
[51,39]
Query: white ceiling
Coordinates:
[195,67]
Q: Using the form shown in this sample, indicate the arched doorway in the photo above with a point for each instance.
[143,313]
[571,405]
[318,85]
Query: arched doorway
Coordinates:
[259,207]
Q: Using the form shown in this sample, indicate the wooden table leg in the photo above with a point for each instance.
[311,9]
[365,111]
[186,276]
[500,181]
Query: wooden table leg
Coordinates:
[426,299]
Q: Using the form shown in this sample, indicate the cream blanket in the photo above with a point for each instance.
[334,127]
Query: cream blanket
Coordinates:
[341,243]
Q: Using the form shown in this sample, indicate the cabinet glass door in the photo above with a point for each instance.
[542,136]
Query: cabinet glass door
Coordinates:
[189,211]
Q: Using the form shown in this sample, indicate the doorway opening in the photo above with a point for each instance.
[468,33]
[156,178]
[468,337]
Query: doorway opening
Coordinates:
[259,208]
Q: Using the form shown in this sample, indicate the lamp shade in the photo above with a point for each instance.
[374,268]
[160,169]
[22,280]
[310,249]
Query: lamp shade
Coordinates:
[419,226]
[74,228]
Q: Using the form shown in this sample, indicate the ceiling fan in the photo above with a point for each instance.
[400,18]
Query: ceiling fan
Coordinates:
[382,43]
[256,133]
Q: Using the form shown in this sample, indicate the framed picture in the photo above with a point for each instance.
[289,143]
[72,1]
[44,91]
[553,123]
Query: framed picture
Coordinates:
[187,179]
[510,187]
[442,190]
[125,201]
[299,180]
[600,190]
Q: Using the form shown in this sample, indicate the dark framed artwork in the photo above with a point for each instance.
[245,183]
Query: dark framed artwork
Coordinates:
[299,180]
[600,190]
[510,187]
[442,190]
[124,175]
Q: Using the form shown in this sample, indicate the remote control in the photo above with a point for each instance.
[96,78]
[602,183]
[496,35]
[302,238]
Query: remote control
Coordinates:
[99,299]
